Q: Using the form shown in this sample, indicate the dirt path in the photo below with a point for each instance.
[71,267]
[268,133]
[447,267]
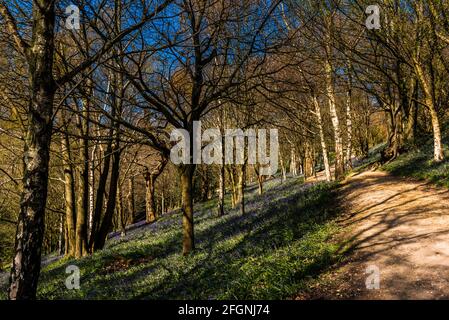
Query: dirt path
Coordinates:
[400,227]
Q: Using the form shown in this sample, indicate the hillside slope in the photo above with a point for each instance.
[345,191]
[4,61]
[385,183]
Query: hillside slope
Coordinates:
[272,252]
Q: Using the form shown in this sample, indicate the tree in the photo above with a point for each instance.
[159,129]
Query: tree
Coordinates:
[39,54]
[193,74]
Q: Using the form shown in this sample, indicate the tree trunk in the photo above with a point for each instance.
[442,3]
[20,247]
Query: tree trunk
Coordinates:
[308,161]
[113,90]
[81,217]
[150,181]
[222,172]
[105,227]
[327,169]
[293,163]
[241,188]
[428,89]
[349,118]
[284,170]
[91,191]
[260,180]
[438,155]
[150,206]
[162,202]
[30,227]
[410,132]
[186,172]
[120,211]
[69,195]
[221,190]
[66,240]
[339,158]
[61,236]
[101,190]
[205,186]
[83,181]
[130,199]
[231,171]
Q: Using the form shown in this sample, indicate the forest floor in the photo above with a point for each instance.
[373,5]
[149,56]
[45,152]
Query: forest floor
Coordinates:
[399,227]
[277,248]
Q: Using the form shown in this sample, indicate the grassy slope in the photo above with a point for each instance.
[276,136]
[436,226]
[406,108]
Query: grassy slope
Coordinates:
[284,240]
[418,164]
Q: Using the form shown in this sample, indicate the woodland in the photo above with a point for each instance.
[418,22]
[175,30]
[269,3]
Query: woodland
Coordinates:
[91,90]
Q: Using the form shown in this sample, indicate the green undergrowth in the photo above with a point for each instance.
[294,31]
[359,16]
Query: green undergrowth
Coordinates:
[418,163]
[285,239]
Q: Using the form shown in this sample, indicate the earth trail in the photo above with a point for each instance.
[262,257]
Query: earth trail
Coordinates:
[399,227]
